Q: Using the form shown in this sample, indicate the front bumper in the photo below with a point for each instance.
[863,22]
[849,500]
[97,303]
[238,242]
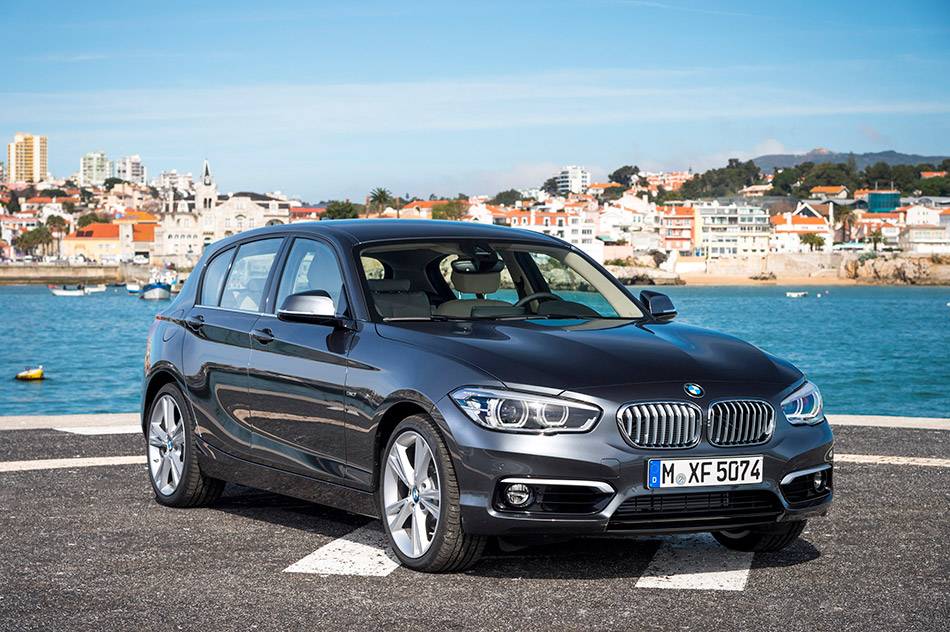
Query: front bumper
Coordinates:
[486,459]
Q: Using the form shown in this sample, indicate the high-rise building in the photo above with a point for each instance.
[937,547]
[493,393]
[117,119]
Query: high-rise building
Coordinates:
[131,170]
[94,169]
[26,158]
[572,179]
[3,174]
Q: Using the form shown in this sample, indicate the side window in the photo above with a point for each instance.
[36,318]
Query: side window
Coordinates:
[244,289]
[311,265]
[214,277]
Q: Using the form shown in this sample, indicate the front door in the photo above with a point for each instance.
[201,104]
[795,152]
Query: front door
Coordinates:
[297,373]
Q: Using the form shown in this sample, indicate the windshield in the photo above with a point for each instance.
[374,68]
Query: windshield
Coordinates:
[468,280]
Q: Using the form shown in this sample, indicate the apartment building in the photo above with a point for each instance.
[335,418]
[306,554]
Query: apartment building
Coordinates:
[94,169]
[131,169]
[677,229]
[572,179]
[731,229]
[26,159]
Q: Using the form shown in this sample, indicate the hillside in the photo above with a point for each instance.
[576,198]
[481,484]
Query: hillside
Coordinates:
[767,164]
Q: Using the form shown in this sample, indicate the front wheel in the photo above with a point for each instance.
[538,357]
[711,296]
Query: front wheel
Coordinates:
[419,501]
[773,538]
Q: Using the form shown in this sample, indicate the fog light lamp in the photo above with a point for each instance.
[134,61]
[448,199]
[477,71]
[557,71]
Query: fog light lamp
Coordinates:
[819,481]
[518,495]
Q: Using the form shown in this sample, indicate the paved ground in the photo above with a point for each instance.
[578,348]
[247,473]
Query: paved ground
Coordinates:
[87,548]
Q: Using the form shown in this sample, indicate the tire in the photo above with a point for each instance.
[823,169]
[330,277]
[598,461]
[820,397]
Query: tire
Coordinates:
[171,455]
[774,538]
[449,548]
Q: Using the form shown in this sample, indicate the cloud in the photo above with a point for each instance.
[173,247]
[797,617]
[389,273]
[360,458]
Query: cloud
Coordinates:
[875,136]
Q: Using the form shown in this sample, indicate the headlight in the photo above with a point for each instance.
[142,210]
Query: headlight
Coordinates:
[522,412]
[803,406]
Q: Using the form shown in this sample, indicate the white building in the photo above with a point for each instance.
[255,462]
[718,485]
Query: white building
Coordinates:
[168,180]
[94,169]
[131,169]
[732,230]
[572,179]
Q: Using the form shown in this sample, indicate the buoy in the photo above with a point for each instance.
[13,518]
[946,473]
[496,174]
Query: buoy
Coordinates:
[30,375]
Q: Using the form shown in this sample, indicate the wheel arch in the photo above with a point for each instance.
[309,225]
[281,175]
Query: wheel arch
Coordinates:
[156,381]
[394,409]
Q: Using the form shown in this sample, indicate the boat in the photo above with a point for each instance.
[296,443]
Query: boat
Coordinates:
[156,291]
[796,294]
[133,288]
[30,375]
[64,291]
[90,289]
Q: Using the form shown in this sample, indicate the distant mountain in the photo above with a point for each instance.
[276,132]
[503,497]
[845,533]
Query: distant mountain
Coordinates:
[767,164]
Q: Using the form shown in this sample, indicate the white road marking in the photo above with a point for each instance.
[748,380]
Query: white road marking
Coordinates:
[102,430]
[36,422]
[891,460]
[696,562]
[55,464]
[364,551]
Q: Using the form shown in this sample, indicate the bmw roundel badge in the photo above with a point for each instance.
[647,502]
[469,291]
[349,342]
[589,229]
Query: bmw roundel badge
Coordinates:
[693,390]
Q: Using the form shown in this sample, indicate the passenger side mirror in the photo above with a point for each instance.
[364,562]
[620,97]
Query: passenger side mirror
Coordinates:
[659,305]
[312,306]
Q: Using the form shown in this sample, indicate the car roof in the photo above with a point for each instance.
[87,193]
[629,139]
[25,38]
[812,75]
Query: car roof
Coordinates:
[359,231]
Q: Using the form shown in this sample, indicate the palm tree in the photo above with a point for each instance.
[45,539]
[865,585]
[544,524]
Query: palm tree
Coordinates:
[846,219]
[877,237]
[812,240]
[56,225]
[380,197]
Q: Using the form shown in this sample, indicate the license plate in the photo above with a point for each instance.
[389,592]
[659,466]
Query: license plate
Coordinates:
[737,470]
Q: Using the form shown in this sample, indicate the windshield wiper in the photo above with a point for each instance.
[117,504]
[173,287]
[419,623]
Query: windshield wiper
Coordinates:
[409,319]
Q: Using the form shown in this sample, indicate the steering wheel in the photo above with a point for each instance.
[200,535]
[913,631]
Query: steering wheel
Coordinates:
[543,296]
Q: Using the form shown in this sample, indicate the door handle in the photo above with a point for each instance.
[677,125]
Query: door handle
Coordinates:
[195,322]
[263,336]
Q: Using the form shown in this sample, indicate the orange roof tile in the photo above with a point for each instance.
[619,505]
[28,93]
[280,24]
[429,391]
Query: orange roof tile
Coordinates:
[143,232]
[96,231]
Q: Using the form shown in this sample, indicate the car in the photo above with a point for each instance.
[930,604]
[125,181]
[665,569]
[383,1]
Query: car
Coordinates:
[464,382]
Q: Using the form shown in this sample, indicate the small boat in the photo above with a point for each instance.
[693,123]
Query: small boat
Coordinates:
[133,288]
[89,289]
[156,292]
[796,294]
[64,291]
[30,375]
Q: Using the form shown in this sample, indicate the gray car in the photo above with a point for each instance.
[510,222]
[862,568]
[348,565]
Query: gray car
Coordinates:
[461,382]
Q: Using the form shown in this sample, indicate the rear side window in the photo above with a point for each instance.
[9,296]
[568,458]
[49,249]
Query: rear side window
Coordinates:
[214,277]
[244,289]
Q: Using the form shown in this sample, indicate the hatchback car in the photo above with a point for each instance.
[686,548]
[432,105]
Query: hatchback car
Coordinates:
[462,381]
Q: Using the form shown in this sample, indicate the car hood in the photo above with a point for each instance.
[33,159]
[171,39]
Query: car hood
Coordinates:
[581,354]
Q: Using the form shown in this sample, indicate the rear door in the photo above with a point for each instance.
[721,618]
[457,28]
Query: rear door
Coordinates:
[297,372]
[216,349]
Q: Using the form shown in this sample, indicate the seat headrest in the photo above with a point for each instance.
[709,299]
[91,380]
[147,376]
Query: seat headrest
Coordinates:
[476,282]
[388,285]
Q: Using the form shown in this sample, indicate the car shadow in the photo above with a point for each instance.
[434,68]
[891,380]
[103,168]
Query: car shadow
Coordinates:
[589,557]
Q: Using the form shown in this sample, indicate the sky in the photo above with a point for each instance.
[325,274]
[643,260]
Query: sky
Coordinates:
[329,100]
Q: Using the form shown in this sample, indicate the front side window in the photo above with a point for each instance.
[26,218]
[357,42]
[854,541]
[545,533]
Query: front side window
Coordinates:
[311,265]
[244,289]
[215,272]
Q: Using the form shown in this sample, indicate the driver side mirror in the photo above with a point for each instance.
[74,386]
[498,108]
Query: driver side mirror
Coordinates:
[659,305]
[312,306]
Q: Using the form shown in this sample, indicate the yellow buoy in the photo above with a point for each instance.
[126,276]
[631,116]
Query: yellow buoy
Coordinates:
[31,374]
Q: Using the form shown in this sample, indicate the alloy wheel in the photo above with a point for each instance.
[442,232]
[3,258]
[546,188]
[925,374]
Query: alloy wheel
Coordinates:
[166,445]
[411,494]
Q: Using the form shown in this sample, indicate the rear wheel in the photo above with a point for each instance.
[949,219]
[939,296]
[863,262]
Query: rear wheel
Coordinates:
[772,538]
[172,464]
[419,501]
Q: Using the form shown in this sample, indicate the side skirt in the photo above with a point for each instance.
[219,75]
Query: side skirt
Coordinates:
[229,468]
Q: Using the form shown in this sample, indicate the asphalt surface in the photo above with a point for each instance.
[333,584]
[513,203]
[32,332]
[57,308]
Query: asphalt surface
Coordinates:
[89,549]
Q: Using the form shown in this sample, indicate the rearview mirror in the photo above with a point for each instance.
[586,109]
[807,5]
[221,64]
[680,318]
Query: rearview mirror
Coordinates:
[312,306]
[659,305]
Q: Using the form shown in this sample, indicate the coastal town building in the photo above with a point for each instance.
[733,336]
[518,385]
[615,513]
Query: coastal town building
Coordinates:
[172,180]
[94,169]
[836,192]
[572,179]
[110,243]
[790,228]
[131,169]
[26,159]
[927,239]
[598,188]
[755,190]
[670,181]
[677,229]
[731,229]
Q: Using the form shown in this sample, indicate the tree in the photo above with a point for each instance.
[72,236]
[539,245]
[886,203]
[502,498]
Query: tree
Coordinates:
[846,219]
[812,240]
[876,238]
[56,224]
[111,182]
[92,218]
[625,176]
[452,210]
[339,210]
[550,186]
[69,207]
[38,237]
[724,181]
[57,193]
[13,206]
[506,198]
[612,193]
[381,197]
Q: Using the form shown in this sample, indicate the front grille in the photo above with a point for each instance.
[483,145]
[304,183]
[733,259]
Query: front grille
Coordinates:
[695,510]
[740,422]
[661,424]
